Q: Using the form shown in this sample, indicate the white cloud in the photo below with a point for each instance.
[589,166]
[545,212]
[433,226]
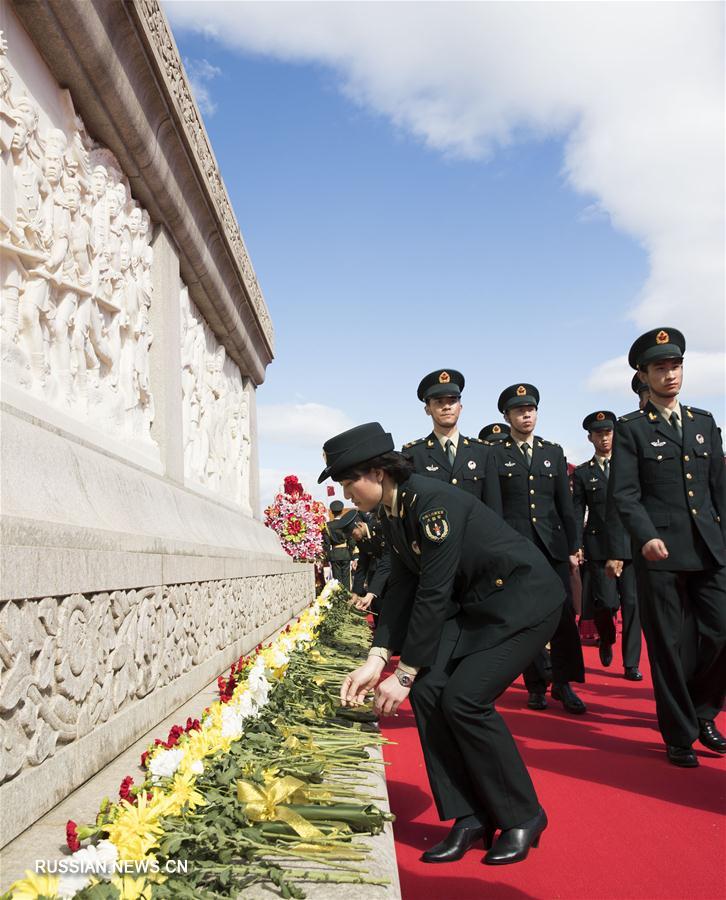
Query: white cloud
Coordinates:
[302,424]
[200,72]
[636,89]
[703,375]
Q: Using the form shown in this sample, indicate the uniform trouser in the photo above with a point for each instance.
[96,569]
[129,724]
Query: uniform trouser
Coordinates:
[565,647]
[472,761]
[606,594]
[340,569]
[684,623]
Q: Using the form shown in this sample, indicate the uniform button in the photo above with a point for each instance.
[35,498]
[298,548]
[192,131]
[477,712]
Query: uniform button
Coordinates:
[687,458]
[659,456]
[453,481]
[499,582]
[690,493]
[689,476]
[510,474]
[694,511]
[531,491]
[534,518]
[532,505]
[476,478]
[531,477]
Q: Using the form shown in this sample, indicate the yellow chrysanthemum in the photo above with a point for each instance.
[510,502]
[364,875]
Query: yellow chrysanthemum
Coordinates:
[33,886]
[136,828]
[182,793]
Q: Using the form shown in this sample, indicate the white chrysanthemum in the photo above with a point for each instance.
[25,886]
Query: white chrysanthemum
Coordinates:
[231,723]
[259,691]
[165,764]
[278,658]
[107,855]
[70,884]
[245,705]
[197,767]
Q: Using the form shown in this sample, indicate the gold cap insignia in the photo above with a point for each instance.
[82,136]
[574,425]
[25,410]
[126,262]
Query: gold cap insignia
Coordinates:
[496,430]
[662,337]
[521,390]
[444,378]
[600,416]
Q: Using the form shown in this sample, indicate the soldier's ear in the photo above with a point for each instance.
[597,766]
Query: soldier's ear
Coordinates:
[427,408]
[589,437]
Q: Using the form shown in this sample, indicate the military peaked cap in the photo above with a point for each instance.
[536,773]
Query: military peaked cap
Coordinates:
[441,383]
[637,385]
[518,395]
[660,343]
[352,447]
[599,421]
[497,431]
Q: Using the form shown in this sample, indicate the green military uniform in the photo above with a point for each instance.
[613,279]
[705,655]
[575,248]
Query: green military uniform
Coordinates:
[467,463]
[599,538]
[536,502]
[469,602]
[374,563]
[667,482]
[339,548]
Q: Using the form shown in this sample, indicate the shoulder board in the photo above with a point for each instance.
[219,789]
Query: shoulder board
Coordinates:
[632,416]
[584,465]
[548,443]
[701,412]
[413,443]
[481,441]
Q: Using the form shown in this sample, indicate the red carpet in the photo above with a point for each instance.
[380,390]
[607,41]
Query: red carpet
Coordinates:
[624,824]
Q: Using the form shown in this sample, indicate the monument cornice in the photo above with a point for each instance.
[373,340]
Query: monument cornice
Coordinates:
[121,65]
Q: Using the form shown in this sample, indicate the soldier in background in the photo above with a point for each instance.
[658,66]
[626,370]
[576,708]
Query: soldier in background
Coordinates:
[339,549]
[447,455]
[374,563]
[668,485]
[537,502]
[641,389]
[609,577]
[497,431]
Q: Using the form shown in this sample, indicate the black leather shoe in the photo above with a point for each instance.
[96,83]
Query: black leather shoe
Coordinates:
[632,673]
[457,842]
[513,844]
[681,756]
[569,699]
[537,700]
[710,736]
[606,653]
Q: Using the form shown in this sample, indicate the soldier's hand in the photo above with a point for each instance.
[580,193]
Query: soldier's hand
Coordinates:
[574,563]
[614,568]
[390,694]
[359,683]
[654,550]
[354,566]
[363,602]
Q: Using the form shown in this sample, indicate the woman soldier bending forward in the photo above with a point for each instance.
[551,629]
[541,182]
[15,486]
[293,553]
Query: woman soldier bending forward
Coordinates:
[469,605]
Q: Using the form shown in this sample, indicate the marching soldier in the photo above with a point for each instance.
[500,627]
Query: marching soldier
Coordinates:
[537,502]
[497,431]
[668,485]
[609,577]
[446,454]
[338,548]
[641,389]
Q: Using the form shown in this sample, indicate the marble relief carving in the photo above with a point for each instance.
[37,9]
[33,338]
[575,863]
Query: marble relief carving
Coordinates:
[71,663]
[75,268]
[215,411]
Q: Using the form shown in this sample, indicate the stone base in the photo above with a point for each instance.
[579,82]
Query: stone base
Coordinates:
[123,594]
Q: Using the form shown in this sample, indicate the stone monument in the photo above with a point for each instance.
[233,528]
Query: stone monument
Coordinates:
[133,336]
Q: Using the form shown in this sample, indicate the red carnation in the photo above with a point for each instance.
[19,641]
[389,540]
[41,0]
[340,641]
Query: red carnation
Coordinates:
[124,792]
[72,836]
[144,757]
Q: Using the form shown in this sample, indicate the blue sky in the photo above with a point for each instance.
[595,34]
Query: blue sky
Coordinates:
[389,242]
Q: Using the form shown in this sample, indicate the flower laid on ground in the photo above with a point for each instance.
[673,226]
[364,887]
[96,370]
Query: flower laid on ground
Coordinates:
[273,769]
[298,520]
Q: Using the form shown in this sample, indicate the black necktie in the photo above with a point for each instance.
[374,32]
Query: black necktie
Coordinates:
[526,453]
[676,423]
[450,451]
[606,467]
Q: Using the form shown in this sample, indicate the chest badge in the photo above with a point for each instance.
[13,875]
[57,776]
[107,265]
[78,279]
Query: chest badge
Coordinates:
[657,443]
[547,464]
[472,463]
[700,438]
[432,468]
[509,464]
[594,480]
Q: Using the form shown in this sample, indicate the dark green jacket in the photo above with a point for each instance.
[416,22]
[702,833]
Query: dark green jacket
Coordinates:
[601,534]
[452,556]
[671,489]
[537,501]
[374,564]
[474,469]
[337,546]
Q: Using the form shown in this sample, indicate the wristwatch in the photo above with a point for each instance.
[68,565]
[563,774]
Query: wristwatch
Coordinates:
[404,679]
